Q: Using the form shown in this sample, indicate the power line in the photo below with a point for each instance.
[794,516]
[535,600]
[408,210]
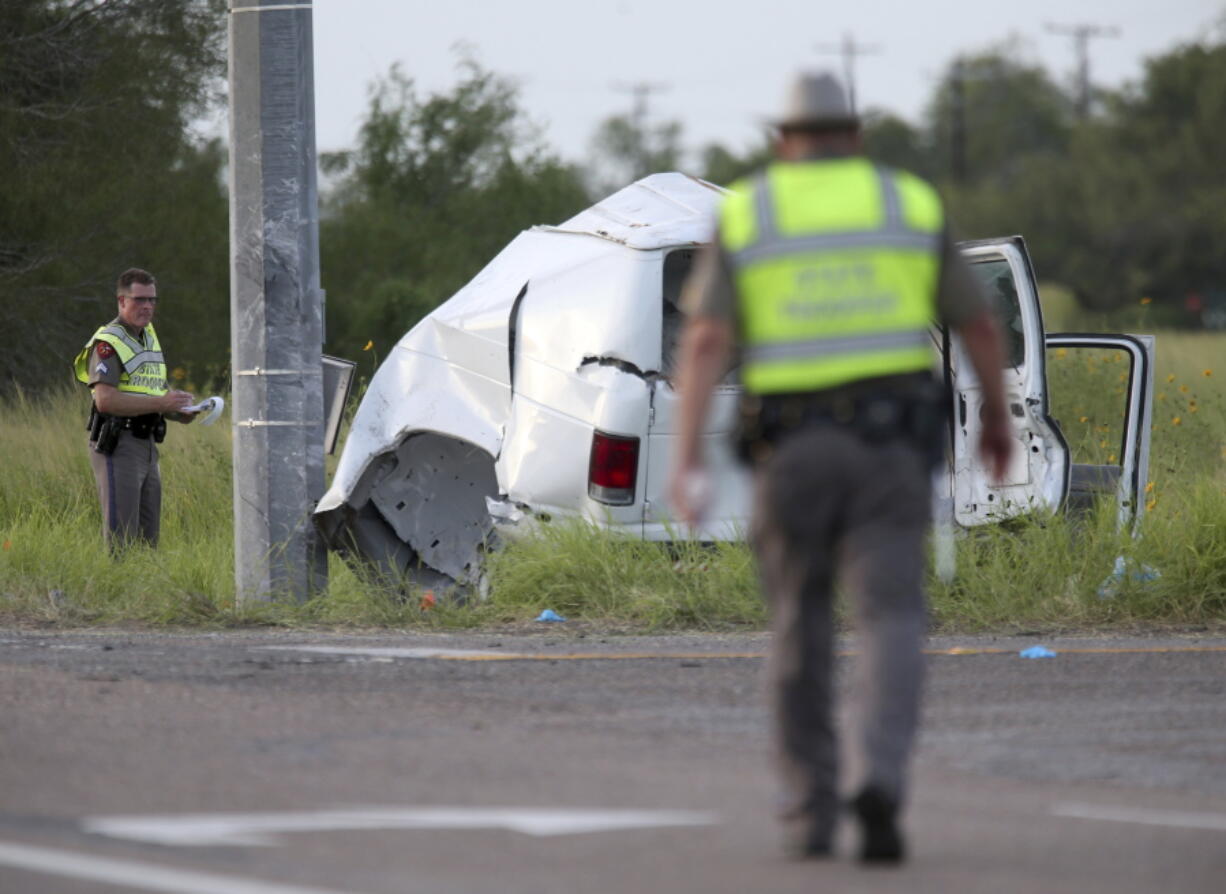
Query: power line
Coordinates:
[1081,35]
[849,50]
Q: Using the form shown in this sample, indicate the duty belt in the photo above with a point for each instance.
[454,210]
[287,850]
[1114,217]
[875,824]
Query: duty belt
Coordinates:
[146,425]
[917,415]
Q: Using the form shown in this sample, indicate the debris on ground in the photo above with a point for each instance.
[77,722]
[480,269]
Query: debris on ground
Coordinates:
[1138,573]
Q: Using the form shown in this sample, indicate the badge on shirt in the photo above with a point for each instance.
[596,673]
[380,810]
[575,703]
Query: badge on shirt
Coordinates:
[104,350]
[102,367]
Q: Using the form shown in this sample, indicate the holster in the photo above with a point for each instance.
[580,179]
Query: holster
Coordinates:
[104,433]
[104,430]
[93,425]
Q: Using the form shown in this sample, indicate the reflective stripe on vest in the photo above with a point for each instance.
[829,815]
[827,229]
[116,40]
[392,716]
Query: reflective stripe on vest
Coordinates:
[835,291]
[144,367]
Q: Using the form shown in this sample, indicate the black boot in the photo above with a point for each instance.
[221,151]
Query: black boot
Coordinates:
[880,838]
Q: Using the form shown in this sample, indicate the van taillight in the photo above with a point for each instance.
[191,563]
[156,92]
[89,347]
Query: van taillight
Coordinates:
[613,470]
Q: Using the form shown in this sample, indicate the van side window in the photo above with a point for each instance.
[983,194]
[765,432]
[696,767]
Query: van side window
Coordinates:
[996,280]
[677,266]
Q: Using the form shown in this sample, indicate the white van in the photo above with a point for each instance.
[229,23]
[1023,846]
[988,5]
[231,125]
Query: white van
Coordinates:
[543,390]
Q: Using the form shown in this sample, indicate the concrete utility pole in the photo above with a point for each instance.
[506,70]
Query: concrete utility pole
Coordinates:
[849,50]
[1081,35]
[276,306]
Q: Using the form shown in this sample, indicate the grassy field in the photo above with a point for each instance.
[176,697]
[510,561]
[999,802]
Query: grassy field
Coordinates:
[1043,573]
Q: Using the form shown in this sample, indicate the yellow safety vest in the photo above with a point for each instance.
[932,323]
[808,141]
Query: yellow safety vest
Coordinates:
[144,368]
[836,265]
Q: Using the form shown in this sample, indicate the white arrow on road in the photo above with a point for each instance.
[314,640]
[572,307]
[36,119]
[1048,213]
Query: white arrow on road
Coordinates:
[260,829]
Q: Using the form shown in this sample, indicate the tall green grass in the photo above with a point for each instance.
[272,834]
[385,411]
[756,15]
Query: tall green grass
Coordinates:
[1044,572]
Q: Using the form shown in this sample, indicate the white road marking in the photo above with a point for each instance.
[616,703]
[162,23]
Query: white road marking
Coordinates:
[1181,819]
[131,875]
[260,829]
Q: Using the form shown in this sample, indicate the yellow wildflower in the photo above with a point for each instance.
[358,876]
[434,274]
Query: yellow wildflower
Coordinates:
[179,374]
[1084,419]
[1146,300]
[1150,505]
[1207,372]
[369,345]
[1171,377]
[1111,458]
[1062,352]
[1183,389]
[1149,488]
[1178,420]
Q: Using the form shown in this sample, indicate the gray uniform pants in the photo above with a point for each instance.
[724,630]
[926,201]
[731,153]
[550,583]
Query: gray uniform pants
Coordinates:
[129,490]
[831,506]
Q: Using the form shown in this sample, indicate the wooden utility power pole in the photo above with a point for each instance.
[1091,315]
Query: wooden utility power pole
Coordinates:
[957,121]
[1081,35]
[641,91]
[849,50]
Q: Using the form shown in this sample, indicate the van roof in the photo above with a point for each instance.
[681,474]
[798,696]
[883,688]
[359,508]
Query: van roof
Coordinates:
[658,211]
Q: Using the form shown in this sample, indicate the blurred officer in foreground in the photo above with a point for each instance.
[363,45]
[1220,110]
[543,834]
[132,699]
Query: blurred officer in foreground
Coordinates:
[825,274]
[123,366]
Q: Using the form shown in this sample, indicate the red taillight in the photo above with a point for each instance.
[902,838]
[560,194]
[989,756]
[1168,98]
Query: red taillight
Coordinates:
[613,470]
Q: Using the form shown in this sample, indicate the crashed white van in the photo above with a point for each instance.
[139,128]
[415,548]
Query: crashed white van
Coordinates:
[543,390]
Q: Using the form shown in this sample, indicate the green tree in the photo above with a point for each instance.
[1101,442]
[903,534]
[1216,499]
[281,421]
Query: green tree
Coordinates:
[892,141]
[721,166]
[95,102]
[1168,222]
[1132,206]
[434,189]
[990,113]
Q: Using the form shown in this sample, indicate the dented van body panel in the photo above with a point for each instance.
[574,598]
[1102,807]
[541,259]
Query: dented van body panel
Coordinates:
[482,422]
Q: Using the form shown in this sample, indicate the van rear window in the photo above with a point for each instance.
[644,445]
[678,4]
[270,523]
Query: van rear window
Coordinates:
[995,277]
[677,266]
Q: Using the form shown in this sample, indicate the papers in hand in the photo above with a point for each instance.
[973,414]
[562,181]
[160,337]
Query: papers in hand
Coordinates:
[212,406]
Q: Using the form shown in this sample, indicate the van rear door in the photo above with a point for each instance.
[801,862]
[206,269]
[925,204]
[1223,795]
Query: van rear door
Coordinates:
[1038,475]
[1102,392]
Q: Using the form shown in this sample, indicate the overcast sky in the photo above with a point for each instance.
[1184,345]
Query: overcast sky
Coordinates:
[719,68]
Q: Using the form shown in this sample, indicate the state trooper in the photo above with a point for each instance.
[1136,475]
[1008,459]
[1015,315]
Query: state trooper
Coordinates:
[824,275]
[123,366]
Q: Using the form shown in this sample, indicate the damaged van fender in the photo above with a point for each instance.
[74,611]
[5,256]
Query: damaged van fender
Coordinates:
[544,389]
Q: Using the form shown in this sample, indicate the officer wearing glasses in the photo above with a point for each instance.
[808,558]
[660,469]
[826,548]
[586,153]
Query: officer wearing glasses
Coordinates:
[123,366]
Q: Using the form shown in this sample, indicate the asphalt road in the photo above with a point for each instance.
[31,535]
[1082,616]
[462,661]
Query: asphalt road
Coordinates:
[244,764]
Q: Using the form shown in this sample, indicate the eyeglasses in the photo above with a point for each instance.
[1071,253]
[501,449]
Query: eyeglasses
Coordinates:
[143,299]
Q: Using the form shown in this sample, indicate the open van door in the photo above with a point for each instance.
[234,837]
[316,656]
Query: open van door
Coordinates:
[1102,394]
[1038,474]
